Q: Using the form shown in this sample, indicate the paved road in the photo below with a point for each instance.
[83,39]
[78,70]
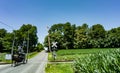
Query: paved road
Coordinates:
[34,65]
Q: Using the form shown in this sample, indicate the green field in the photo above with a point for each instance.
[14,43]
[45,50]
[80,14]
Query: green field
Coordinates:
[70,55]
[102,62]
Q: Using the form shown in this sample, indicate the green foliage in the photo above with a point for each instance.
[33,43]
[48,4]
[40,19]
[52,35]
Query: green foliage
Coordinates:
[2,55]
[63,33]
[97,31]
[2,33]
[81,36]
[39,47]
[59,68]
[25,33]
[102,62]
[72,36]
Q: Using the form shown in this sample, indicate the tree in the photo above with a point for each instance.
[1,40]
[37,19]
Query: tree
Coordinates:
[2,33]
[62,33]
[8,40]
[113,38]
[39,47]
[25,33]
[67,35]
[70,36]
[97,31]
[81,36]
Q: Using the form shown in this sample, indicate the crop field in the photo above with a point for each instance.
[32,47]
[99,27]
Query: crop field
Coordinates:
[102,62]
[70,55]
[84,59]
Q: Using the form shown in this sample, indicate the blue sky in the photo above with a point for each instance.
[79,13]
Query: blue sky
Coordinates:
[43,13]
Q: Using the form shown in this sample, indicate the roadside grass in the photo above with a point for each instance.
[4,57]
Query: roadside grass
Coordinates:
[59,68]
[2,57]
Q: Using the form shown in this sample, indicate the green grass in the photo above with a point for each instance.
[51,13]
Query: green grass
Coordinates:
[59,68]
[69,55]
[2,56]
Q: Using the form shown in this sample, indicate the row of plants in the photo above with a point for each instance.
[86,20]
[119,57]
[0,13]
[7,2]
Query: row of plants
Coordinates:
[102,62]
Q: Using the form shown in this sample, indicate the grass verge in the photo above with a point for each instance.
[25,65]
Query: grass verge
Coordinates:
[59,68]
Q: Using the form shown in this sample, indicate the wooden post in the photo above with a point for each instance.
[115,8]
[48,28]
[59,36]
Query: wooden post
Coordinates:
[49,40]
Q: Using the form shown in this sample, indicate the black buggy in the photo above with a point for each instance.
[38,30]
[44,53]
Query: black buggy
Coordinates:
[19,57]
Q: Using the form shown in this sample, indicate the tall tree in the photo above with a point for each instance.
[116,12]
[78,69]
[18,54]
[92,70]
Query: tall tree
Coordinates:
[81,36]
[97,31]
[25,33]
[67,35]
[63,33]
[2,35]
[8,40]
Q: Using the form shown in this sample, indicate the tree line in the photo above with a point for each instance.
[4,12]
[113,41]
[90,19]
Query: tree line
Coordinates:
[71,36]
[20,38]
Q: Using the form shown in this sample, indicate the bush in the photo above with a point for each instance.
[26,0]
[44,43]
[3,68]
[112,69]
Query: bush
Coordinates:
[102,62]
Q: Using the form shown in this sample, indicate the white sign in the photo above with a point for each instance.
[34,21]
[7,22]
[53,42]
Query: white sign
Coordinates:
[54,44]
[8,57]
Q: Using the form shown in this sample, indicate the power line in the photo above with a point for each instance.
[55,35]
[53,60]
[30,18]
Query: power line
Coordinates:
[6,25]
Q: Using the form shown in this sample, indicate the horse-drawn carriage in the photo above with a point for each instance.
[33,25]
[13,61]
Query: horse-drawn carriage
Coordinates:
[19,57]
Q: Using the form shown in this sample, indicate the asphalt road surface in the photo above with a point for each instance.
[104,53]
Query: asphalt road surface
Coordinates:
[34,65]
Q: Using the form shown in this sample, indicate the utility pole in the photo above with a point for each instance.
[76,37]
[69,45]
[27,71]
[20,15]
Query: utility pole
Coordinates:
[27,45]
[13,45]
[49,40]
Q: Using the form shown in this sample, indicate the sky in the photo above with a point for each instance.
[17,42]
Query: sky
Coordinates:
[43,13]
